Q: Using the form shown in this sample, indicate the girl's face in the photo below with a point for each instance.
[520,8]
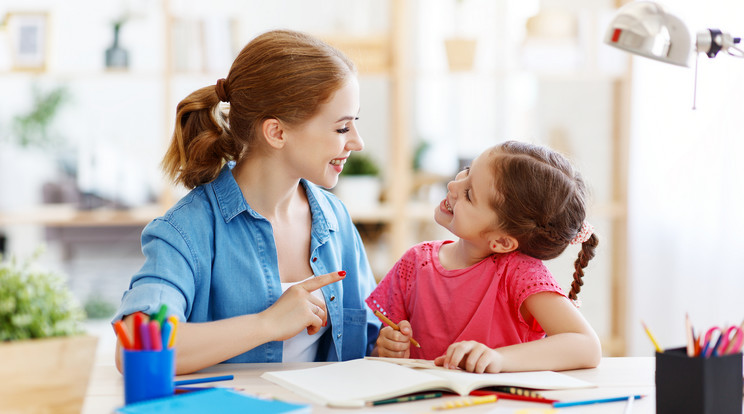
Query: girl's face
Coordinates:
[466,211]
[320,146]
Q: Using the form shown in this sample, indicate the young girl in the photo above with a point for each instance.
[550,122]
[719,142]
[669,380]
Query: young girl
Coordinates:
[486,302]
[258,261]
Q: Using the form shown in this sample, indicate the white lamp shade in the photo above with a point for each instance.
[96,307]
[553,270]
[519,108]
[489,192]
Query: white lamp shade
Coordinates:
[644,29]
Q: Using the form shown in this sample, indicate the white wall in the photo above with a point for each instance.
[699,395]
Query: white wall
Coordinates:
[686,192]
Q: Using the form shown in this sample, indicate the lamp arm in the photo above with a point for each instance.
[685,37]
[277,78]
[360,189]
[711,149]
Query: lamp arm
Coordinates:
[712,41]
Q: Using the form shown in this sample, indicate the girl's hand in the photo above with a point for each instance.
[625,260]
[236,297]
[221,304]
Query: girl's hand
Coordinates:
[471,356]
[395,344]
[298,309]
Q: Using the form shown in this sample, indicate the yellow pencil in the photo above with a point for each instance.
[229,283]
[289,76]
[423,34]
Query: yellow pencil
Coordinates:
[653,340]
[174,320]
[467,402]
[392,324]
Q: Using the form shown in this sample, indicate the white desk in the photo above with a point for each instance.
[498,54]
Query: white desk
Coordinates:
[614,377]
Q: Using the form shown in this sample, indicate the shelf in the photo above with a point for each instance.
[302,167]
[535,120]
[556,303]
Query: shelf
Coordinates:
[66,215]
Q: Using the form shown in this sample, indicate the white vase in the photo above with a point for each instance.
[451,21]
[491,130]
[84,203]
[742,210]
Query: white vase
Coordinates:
[23,172]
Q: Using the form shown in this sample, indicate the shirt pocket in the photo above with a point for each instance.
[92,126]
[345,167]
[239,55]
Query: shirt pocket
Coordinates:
[354,343]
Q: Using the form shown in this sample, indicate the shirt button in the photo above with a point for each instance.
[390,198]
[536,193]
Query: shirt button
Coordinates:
[315,259]
[332,298]
[338,336]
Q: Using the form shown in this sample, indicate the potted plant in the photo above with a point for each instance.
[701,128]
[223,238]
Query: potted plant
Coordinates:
[46,358]
[359,184]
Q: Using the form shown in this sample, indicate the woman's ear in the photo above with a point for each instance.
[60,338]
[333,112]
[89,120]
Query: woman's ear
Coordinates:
[273,133]
[503,244]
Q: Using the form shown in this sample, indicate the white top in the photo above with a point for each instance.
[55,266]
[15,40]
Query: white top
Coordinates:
[302,347]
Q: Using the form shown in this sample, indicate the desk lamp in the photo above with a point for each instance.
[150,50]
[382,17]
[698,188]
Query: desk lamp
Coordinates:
[644,28]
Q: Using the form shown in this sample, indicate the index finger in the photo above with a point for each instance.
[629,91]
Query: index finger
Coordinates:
[323,280]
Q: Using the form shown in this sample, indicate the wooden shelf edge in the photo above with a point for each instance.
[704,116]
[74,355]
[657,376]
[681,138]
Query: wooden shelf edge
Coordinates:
[66,215]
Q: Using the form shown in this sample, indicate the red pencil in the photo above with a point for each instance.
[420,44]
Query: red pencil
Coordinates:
[510,396]
[156,342]
[139,319]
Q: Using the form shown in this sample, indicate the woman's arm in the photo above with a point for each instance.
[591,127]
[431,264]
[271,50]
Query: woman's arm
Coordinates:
[570,343]
[200,345]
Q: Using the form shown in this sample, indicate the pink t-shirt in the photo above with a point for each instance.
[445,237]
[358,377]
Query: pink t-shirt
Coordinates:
[480,303]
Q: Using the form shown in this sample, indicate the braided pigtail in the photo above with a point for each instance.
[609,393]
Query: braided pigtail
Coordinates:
[585,255]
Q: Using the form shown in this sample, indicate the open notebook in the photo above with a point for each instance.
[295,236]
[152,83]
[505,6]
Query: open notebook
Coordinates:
[353,383]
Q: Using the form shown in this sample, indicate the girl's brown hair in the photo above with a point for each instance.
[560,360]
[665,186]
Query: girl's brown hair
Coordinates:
[280,74]
[541,202]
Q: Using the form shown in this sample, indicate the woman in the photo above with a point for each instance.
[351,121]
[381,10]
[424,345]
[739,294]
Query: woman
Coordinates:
[235,259]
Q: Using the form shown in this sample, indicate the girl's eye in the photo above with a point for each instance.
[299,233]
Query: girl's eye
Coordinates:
[343,130]
[467,194]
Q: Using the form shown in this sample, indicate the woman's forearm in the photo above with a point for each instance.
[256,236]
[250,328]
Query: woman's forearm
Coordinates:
[201,345]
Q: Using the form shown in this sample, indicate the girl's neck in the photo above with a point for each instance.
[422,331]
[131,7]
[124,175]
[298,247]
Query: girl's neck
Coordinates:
[267,189]
[461,254]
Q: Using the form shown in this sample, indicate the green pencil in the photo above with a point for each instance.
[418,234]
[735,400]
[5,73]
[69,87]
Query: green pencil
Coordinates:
[407,398]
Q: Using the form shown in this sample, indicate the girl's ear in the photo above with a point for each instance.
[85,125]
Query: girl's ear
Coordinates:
[503,244]
[273,133]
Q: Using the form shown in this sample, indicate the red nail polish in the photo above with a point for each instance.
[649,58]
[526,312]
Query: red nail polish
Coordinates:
[342,273]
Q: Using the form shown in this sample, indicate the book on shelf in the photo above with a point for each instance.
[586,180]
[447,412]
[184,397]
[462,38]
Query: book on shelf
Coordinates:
[360,381]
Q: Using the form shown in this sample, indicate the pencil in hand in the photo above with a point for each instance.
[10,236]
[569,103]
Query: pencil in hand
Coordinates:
[392,324]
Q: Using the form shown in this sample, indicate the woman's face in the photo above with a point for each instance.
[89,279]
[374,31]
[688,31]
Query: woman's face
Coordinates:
[320,146]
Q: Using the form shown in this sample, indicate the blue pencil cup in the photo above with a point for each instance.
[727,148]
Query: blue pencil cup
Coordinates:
[148,374]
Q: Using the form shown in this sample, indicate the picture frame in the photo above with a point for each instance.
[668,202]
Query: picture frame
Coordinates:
[28,34]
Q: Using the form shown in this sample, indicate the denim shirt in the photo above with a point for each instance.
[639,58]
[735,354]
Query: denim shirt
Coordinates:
[212,257]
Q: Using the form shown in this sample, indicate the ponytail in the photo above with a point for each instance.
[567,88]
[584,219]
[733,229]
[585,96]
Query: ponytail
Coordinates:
[201,141]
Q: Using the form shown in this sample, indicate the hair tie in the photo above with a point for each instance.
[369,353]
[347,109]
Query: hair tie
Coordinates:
[221,89]
[584,233]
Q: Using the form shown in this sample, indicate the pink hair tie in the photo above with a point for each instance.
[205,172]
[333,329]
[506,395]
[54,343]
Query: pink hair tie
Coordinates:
[584,233]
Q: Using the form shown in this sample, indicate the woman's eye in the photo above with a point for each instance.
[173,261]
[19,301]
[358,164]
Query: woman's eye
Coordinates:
[343,130]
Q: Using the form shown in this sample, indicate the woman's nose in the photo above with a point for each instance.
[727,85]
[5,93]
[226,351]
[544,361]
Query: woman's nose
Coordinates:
[355,143]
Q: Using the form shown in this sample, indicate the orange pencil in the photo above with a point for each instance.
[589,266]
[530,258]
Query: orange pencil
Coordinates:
[121,332]
[392,324]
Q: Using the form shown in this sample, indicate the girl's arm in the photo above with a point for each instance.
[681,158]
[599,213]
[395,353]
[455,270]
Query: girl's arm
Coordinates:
[200,345]
[570,343]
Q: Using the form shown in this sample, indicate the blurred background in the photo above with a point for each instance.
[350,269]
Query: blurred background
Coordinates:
[89,91]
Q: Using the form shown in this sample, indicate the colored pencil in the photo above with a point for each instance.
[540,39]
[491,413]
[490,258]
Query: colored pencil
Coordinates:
[156,341]
[144,331]
[651,337]
[392,324]
[597,401]
[407,398]
[509,396]
[202,380]
[165,333]
[467,402]
[174,320]
[121,332]
[139,319]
